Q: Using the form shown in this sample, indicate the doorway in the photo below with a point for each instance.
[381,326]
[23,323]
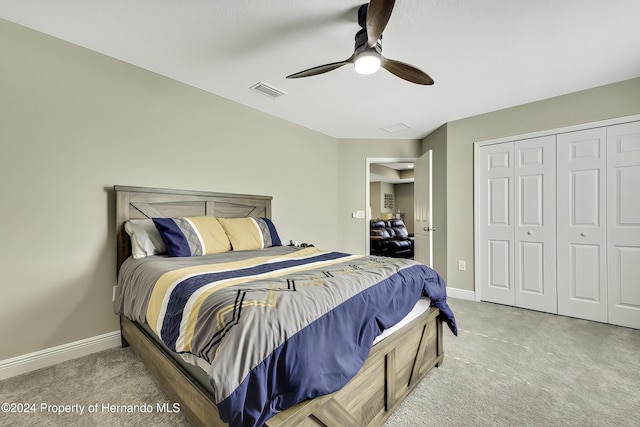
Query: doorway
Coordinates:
[389,192]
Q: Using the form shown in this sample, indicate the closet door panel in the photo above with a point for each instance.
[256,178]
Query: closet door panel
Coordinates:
[531,271]
[495,224]
[623,220]
[581,224]
[534,226]
[584,277]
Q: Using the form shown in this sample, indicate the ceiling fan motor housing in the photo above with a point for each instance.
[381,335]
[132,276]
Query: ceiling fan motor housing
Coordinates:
[361,40]
[362,15]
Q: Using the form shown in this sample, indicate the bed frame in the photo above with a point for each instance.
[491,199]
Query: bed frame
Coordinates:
[391,371]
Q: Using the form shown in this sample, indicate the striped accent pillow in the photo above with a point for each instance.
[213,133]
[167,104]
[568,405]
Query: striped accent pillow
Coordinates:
[250,233]
[192,236]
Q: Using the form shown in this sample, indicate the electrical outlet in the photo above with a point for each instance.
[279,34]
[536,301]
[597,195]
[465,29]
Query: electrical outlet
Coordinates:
[462,265]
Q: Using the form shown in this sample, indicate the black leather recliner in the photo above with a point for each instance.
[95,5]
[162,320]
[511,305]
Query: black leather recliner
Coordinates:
[390,238]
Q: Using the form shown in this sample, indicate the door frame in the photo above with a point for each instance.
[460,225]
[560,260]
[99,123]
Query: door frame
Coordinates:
[367,196]
[476,168]
[418,204]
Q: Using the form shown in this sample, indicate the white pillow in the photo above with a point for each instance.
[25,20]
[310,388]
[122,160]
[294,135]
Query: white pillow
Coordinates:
[145,238]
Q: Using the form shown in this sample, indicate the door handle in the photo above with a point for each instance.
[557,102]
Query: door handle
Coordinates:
[530,233]
[583,234]
[429,229]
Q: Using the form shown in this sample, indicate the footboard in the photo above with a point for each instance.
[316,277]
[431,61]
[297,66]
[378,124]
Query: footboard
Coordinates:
[393,369]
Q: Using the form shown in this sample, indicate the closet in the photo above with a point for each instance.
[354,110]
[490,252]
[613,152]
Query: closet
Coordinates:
[558,222]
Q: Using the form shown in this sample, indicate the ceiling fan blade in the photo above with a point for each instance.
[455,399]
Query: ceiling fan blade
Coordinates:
[378,14]
[406,72]
[321,69]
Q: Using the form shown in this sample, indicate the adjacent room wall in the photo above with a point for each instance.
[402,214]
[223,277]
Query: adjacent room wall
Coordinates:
[601,103]
[404,203]
[377,191]
[72,124]
[375,199]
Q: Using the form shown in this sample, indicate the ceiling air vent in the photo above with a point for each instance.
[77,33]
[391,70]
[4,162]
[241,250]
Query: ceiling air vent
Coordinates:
[398,127]
[265,89]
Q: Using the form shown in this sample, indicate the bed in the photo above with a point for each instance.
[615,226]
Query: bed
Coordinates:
[368,393]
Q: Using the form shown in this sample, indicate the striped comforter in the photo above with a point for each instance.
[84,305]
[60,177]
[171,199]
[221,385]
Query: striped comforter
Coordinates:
[276,326]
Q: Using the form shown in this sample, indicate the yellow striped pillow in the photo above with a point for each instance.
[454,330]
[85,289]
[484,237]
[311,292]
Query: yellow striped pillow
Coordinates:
[250,233]
[192,236]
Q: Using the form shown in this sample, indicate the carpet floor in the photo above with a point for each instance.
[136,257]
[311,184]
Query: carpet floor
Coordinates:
[507,367]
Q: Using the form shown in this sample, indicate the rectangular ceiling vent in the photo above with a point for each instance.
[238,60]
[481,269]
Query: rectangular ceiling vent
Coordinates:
[398,127]
[265,89]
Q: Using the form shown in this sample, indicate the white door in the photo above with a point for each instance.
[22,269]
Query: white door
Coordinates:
[495,223]
[535,224]
[623,220]
[422,198]
[582,225]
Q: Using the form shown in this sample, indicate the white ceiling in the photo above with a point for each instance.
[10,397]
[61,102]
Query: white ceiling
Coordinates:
[391,172]
[483,55]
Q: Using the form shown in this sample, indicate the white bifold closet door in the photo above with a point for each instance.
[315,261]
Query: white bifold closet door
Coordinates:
[559,223]
[582,226]
[535,224]
[517,223]
[623,221]
[495,232]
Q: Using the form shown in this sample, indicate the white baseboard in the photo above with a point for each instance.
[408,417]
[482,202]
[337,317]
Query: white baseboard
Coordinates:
[461,294]
[54,355]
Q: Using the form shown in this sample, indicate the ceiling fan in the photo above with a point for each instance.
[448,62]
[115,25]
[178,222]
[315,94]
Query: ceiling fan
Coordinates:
[367,56]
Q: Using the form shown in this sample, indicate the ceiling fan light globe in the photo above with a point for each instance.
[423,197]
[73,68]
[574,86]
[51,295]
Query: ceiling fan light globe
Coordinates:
[367,63]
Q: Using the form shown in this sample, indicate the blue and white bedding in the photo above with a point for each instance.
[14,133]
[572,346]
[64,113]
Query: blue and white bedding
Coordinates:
[277,325]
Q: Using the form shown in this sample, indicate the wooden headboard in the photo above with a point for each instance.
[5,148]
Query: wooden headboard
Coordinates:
[142,203]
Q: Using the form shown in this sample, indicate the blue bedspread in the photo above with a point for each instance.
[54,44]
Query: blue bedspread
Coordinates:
[277,330]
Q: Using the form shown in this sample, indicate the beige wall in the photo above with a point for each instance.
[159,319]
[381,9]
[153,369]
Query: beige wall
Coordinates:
[72,124]
[611,101]
[404,203]
[375,199]
[377,190]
